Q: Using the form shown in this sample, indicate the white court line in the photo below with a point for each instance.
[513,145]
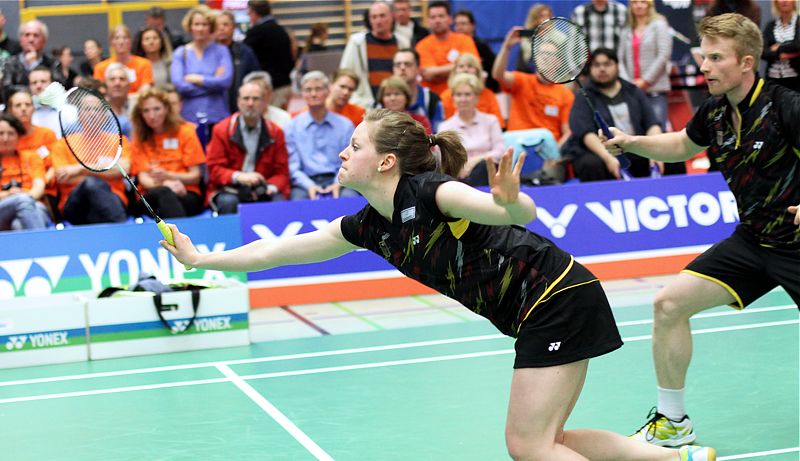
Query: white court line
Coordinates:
[756,310]
[275,414]
[360,366]
[759,454]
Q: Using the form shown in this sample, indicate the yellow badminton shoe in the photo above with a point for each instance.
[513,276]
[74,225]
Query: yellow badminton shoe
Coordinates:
[664,432]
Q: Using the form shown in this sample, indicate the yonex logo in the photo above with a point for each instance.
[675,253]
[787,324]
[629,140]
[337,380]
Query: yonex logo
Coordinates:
[179,325]
[758,145]
[16,342]
[415,240]
[554,346]
[23,283]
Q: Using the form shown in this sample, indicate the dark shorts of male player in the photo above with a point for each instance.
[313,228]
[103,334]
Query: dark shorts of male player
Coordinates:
[573,323]
[748,270]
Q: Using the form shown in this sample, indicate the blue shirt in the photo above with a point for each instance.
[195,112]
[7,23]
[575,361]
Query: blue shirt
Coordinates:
[422,107]
[211,98]
[314,147]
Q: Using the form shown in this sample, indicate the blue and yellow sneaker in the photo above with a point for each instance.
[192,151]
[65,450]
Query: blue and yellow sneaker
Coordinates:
[664,432]
[693,453]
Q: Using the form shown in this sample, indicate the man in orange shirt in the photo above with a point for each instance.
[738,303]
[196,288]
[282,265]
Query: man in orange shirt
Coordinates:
[439,50]
[86,197]
[535,103]
[343,83]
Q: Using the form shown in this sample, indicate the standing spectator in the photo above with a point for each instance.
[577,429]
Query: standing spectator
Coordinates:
[487,101]
[404,25]
[602,20]
[21,180]
[535,103]
[150,44]
[345,82]
[44,116]
[63,68]
[33,39]
[93,54]
[274,114]
[202,70]
[139,69]
[314,139]
[537,14]
[423,101]
[118,95]
[480,132]
[155,18]
[438,51]
[645,53]
[782,45]
[7,43]
[247,157]
[465,24]
[317,36]
[166,157]
[242,56]
[273,48]
[369,54]
[395,95]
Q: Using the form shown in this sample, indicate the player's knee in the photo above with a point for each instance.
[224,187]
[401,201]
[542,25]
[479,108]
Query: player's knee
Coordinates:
[668,308]
[524,448]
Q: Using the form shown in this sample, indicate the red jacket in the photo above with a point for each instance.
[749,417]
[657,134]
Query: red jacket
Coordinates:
[225,155]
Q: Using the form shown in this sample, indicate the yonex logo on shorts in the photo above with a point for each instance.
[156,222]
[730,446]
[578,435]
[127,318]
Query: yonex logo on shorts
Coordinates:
[554,346]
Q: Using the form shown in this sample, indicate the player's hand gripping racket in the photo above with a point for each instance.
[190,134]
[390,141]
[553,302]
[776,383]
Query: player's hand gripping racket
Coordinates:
[93,135]
[560,52]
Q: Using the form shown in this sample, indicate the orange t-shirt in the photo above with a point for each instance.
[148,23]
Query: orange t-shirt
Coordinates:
[40,139]
[174,152]
[354,112]
[24,167]
[487,103]
[434,52]
[62,156]
[538,105]
[140,71]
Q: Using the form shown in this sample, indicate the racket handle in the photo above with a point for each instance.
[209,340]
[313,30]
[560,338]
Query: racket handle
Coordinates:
[598,119]
[167,233]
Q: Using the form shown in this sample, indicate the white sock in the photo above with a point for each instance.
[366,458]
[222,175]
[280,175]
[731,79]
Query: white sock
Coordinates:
[670,403]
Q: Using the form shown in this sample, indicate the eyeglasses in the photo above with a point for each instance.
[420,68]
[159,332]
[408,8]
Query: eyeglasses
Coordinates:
[404,64]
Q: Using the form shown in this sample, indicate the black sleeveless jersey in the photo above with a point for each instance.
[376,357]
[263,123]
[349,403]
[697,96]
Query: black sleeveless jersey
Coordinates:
[499,272]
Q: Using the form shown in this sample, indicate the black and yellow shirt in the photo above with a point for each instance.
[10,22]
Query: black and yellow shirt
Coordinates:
[760,161]
[498,272]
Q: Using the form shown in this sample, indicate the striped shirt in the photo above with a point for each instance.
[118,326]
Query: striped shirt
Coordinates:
[379,60]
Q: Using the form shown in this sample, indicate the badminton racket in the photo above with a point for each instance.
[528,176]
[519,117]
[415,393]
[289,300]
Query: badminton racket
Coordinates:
[93,135]
[560,51]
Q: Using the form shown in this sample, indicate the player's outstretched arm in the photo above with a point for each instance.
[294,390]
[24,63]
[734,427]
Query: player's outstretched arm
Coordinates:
[666,147]
[320,245]
[504,205]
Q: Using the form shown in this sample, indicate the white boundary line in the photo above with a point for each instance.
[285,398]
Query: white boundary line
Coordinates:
[275,414]
[759,454]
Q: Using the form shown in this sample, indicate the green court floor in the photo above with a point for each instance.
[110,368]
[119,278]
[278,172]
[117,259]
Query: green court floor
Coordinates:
[426,393]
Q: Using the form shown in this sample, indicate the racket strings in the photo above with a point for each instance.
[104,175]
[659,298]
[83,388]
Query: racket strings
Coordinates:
[559,50]
[91,130]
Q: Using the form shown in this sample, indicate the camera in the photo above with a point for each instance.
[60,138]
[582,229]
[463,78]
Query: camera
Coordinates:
[261,193]
[12,184]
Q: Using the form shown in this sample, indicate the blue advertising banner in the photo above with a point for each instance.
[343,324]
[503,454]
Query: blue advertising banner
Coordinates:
[38,263]
[585,219]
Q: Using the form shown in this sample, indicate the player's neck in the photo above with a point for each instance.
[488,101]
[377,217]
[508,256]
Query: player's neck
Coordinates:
[737,94]
[381,196]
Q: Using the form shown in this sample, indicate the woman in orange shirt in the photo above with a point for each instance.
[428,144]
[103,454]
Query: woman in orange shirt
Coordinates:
[487,101]
[167,157]
[21,180]
[140,71]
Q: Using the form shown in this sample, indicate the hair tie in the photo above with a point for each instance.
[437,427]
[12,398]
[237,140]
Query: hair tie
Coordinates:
[432,140]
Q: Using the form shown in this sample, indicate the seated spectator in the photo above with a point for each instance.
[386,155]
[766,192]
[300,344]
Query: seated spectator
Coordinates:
[202,70]
[314,140]
[174,97]
[86,197]
[21,180]
[465,24]
[273,113]
[32,39]
[36,138]
[150,44]
[167,156]
[93,54]
[118,95]
[44,116]
[535,103]
[139,69]
[317,37]
[345,82]
[243,57]
[63,66]
[423,100]
[404,25]
[487,101]
[621,104]
[8,46]
[394,94]
[480,132]
[247,157]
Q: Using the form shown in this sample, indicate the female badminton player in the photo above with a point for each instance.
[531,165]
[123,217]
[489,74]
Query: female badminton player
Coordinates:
[471,246]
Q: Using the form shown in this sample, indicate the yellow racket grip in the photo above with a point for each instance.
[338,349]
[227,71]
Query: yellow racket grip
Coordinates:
[167,233]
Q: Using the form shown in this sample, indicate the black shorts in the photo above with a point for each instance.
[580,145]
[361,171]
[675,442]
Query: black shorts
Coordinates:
[574,323]
[748,270]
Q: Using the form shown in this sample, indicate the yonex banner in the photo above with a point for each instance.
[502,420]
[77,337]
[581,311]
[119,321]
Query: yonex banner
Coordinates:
[38,263]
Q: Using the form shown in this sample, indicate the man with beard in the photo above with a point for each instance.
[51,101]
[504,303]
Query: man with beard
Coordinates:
[621,104]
